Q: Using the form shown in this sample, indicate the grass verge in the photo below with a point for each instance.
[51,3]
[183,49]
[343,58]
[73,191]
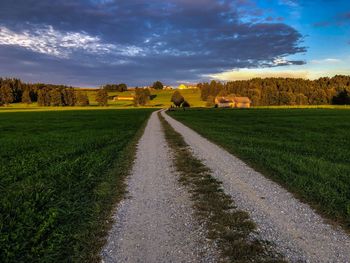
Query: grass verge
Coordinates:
[230,228]
[61,174]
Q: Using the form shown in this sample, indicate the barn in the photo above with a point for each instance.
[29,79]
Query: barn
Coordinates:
[242,102]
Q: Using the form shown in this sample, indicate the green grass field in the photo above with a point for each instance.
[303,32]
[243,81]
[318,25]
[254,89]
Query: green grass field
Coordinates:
[61,173]
[306,150]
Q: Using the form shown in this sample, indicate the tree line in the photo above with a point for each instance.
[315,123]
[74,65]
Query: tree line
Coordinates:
[115,87]
[14,91]
[282,91]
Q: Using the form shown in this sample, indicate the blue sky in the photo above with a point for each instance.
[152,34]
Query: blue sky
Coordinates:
[92,42]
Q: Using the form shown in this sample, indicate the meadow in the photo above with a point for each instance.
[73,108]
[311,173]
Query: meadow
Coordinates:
[61,174]
[305,150]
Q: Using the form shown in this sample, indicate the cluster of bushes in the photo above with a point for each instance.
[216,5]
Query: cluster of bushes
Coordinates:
[116,87]
[281,91]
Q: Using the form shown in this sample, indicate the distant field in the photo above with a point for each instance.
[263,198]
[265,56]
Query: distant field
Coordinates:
[161,100]
[306,150]
[61,173]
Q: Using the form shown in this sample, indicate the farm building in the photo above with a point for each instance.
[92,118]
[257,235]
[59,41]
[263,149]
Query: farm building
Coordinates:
[123,98]
[223,102]
[232,102]
[242,102]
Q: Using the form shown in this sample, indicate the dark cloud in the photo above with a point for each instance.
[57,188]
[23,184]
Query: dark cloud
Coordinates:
[92,42]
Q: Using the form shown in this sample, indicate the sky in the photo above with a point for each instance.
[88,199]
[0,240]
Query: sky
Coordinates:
[88,43]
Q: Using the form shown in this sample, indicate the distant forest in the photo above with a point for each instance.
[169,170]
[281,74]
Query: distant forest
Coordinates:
[282,91]
[264,92]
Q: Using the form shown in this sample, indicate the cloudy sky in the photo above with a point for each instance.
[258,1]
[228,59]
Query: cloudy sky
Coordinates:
[91,42]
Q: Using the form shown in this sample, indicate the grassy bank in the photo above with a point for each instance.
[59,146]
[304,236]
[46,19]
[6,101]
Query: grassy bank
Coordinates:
[306,150]
[61,172]
[231,229]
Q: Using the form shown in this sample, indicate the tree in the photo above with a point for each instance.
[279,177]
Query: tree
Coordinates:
[68,97]
[210,101]
[343,98]
[177,98]
[286,98]
[44,97]
[157,85]
[122,87]
[142,97]
[102,97]
[82,98]
[26,96]
[301,99]
[116,87]
[185,104]
[6,96]
[55,97]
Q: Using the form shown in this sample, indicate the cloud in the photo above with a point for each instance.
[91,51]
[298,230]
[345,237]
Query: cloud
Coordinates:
[326,61]
[47,40]
[138,41]
[291,3]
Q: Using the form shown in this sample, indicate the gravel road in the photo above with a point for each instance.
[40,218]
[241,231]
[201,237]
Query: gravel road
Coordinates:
[298,232]
[155,223]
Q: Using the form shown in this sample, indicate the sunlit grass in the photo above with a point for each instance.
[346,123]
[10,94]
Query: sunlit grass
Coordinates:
[61,173]
[306,150]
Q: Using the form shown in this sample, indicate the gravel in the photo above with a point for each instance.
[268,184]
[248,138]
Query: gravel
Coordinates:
[155,223]
[298,232]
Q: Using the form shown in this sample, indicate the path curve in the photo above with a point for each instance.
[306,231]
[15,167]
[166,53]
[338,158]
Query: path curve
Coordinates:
[156,222]
[298,231]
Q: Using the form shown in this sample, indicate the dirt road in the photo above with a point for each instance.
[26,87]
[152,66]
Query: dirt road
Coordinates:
[155,223]
[299,233]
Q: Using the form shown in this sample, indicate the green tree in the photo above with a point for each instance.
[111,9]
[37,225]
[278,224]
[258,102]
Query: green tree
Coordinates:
[6,96]
[185,104]
[43,97]
[26,96]
[158,85]
[142,97]
[210,101]
[301,99]
[55,97]
[343,98]
[286,98]
[177,99]
[122,87]
[68,97]
[102,97]
[82,98]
